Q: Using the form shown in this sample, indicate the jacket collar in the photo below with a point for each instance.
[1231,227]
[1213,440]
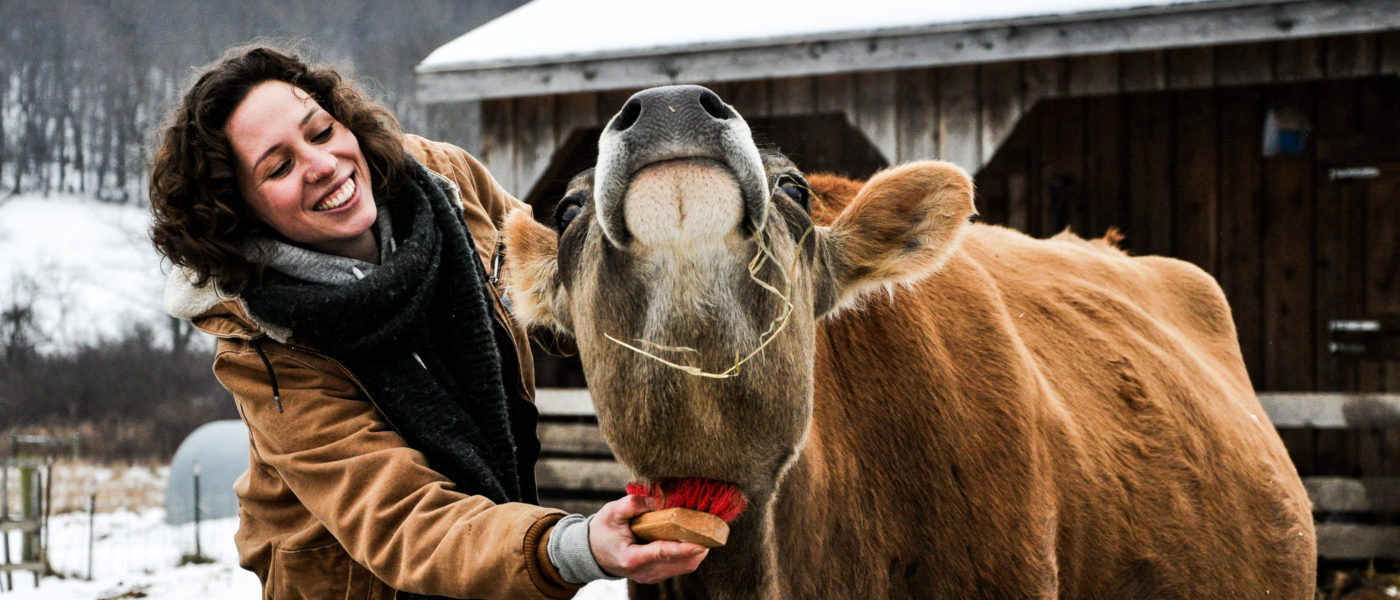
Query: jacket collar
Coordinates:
[212,311]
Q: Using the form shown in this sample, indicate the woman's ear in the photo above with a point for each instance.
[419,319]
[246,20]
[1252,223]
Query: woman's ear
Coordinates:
[531,272]
[900,228]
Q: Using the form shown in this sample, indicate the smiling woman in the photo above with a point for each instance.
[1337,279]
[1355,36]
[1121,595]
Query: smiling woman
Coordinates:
[298,168]
[347,270]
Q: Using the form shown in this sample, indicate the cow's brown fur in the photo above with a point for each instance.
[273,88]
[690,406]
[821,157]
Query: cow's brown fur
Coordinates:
[979,414]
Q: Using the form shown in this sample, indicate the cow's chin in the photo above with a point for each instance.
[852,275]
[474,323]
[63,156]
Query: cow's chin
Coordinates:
[690,203]
[701,428]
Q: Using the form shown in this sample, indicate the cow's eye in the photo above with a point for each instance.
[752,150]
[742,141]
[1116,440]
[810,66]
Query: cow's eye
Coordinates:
[566,211]
[795,187]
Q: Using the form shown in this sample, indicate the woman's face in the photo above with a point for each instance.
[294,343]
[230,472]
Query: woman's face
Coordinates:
[301,171]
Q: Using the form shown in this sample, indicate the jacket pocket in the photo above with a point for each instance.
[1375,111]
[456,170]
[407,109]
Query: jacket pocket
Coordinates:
[320,573]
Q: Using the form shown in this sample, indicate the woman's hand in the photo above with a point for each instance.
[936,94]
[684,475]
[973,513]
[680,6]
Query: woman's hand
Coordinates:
[619,554]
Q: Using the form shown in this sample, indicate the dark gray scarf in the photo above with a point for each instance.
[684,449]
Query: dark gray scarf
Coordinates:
[427,301]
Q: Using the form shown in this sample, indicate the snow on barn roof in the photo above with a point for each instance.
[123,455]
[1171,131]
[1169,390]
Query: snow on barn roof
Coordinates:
[556,30]
[560,46]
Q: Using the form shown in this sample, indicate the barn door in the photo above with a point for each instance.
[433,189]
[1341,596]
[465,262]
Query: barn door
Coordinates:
[1358,274]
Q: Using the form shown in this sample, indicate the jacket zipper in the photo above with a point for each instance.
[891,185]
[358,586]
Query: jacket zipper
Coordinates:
[356,380]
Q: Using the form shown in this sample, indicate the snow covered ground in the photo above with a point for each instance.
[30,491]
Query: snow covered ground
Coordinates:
[137,555]
[88,267]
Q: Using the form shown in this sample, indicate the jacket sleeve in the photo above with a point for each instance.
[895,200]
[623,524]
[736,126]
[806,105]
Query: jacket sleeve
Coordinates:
[378,497]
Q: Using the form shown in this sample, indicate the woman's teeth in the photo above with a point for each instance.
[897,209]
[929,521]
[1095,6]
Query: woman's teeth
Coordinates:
[346,191]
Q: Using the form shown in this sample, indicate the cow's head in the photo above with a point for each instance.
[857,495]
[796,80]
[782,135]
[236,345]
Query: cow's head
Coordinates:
[659,248]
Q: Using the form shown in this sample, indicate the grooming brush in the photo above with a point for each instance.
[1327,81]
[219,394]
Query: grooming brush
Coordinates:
[692,510]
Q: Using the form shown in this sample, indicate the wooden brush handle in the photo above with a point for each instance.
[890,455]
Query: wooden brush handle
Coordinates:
[681,525]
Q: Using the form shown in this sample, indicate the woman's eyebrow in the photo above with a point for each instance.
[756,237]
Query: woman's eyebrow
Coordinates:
[304,120]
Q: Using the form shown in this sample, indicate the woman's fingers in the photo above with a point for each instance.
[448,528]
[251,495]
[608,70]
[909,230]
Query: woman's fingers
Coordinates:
[619,554]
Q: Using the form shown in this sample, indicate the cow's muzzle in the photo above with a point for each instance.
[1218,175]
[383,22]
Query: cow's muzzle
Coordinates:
[674,123]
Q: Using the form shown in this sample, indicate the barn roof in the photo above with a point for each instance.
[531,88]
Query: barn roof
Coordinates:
[562,46]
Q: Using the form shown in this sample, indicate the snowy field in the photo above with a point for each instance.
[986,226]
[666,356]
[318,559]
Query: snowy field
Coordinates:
[87,267]
[135,554]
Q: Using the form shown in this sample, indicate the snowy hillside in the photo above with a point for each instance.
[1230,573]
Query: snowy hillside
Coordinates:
[87,268]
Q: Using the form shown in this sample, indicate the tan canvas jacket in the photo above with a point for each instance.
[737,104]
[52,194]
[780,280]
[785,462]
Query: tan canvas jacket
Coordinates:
[334,504]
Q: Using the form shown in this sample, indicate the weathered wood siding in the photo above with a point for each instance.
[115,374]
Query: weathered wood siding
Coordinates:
[1181,173]
[961,113]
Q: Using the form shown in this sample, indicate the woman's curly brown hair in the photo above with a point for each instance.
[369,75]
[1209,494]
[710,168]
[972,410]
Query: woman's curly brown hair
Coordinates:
[201,219]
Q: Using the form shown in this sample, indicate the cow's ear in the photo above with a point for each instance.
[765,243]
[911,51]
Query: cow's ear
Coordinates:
[531,272]
[900,228]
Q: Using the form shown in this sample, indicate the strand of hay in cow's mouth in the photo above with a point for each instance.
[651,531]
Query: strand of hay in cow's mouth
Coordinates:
[779,323]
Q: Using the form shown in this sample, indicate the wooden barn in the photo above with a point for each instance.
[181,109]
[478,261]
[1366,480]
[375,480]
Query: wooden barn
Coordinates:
[1259,139]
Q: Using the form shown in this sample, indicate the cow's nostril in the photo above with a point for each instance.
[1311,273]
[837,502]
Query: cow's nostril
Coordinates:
[627,116]
[713,105]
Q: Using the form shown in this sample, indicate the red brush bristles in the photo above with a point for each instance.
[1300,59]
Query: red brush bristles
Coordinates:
[719,498]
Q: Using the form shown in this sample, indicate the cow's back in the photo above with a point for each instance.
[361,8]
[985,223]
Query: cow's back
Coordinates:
[1043,417]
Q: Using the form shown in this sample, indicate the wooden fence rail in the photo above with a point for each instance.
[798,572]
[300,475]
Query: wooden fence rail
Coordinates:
[577,471]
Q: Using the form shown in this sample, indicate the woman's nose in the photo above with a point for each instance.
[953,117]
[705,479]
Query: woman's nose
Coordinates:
[319,166]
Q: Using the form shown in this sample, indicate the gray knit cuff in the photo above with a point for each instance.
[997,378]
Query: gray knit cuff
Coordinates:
[570,552]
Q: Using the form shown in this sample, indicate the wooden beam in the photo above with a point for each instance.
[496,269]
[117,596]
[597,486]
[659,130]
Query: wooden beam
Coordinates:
[574,505]
[32,525]
[563,403]
[582,474]
[1331,410]
[1343,494]
[1192,24]
[572,438]
[1350,541]
[36,567]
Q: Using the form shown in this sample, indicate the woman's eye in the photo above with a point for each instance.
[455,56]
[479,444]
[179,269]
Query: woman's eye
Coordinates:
[566,212]
[325,134]
[280,170]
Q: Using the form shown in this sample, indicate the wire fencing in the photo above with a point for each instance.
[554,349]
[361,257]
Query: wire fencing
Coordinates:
[108,522]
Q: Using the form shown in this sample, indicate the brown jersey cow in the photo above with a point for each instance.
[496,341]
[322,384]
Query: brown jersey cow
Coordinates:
[936,409]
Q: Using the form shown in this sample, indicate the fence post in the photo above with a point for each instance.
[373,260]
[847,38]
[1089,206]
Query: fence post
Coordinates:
[48,512]
[92,524]
[29,510]
[198,553]
[5,516]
